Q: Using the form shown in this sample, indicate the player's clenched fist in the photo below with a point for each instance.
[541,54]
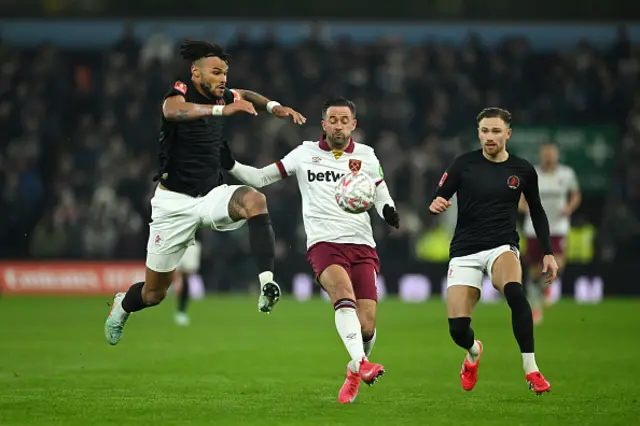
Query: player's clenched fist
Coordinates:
[439,205]
[239,105]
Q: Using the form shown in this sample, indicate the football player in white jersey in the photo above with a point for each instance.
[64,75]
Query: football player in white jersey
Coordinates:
[560,195]
[340,245]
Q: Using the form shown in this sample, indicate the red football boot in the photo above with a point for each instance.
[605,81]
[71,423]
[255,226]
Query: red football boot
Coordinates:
[369,372]
[349,389]
[469,373]
[538,383]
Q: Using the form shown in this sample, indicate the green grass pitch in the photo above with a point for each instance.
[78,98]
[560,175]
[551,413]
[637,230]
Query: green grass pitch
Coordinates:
[235,366]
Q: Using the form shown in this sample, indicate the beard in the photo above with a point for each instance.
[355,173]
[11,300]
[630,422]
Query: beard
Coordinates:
[208,87]
[338,142]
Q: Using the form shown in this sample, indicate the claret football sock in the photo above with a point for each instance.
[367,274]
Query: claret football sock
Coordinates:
[348,326]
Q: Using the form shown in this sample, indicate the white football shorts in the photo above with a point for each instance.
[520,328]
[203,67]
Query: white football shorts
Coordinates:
[469,270]
[176,217]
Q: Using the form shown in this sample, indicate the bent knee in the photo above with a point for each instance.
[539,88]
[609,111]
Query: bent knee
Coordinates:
[254,202]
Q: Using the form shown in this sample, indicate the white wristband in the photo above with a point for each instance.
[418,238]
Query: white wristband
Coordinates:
[272,104]
[217,110]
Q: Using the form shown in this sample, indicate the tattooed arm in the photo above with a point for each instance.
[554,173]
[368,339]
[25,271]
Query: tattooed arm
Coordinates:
[265,104]
[258,101]
[175,108]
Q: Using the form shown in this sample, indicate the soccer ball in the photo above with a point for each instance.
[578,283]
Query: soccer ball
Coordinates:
[355,193]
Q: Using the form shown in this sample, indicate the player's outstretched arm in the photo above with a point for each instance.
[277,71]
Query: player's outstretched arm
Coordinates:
[255,177]
[246,174]
[176,108]
[263,103]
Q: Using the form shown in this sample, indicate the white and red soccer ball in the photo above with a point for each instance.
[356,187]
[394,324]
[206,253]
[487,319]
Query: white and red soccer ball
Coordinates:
[355,192]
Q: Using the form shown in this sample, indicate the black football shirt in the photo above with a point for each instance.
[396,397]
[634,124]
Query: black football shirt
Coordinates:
[189,152]
[488,195]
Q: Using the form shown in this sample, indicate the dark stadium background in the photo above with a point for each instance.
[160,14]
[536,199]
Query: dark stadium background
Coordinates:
[79,111]
[81,83]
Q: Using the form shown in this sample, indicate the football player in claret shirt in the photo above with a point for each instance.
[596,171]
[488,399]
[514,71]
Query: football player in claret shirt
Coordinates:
[489,182]
[560,195]
[340,245]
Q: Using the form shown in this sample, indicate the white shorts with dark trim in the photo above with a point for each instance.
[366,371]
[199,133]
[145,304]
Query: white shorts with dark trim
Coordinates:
[176,218]
[469,270]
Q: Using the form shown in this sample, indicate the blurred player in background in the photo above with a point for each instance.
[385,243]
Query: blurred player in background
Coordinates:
[340,245]
[188,266]
[560,195]
[489,183]
[191,192]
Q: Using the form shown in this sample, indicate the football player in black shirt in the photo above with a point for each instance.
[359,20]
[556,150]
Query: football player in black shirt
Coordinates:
[191,193]
[488,183]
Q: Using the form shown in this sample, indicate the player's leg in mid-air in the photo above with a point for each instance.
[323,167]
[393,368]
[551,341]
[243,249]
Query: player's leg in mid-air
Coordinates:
[139,296]
[464,283]
[506,277]
[175,220]
[248,204]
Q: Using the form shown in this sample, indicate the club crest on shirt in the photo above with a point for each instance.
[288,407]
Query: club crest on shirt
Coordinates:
[315,160]
[513,182]
[221,102]
[355,165]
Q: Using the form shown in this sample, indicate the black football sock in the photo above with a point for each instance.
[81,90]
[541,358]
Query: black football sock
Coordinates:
[262,241]
[461,332]
[521,317]
[132,301]
[183,300]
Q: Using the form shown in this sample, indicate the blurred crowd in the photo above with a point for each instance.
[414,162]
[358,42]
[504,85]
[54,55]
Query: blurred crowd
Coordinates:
[80,130]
